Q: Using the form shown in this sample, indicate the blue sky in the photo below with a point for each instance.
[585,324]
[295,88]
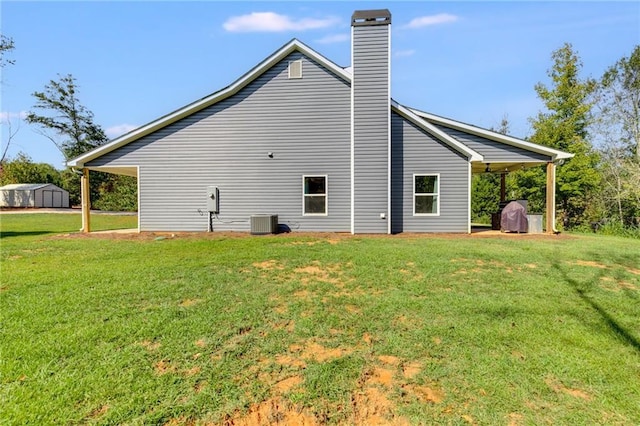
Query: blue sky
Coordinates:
[136,61]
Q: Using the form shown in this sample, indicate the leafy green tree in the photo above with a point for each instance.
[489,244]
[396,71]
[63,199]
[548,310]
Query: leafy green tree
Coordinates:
[66,122]
[6,45]
[618,127]
[62,119]
[485,188]
[564,126]
[23,170]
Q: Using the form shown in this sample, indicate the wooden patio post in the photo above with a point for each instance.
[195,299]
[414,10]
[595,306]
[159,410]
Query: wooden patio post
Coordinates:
[85,200]
[551,198]
[503,187]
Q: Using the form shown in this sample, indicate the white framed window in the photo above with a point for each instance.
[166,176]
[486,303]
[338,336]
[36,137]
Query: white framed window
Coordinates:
[426,195]
[295,69]
[314,195]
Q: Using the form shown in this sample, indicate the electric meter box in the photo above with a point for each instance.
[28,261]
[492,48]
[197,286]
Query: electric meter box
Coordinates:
[213,199]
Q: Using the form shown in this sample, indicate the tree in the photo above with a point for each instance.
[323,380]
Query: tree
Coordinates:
[485,188]
[69,125]
[6,45]
[618,129]
[23,170]
[564,126]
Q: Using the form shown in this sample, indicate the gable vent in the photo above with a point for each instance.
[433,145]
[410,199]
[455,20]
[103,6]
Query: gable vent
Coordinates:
[295,69]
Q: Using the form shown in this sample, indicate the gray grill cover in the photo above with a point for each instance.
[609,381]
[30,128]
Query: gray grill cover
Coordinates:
[514,218]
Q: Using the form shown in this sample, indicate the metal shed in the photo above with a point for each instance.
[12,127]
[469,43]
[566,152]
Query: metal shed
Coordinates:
[33,195]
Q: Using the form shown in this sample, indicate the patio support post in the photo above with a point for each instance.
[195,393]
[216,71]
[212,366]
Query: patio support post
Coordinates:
[85,200]
[551,198]
[503,187]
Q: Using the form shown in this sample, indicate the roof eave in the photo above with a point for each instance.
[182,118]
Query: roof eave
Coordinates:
[555,154]
[243,81]
[437,133]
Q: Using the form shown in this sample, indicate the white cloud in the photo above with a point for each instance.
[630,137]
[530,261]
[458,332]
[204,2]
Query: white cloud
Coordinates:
[333,38]
[119,129]
[426,21]
[404,53]
[274,22]
[8,115]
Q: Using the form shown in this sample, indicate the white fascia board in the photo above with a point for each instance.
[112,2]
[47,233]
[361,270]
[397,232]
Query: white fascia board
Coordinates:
[293,45]
[499,137]
[439,134]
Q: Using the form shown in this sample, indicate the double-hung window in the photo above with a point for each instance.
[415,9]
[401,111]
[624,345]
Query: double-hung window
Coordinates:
[426,195]
[314,195]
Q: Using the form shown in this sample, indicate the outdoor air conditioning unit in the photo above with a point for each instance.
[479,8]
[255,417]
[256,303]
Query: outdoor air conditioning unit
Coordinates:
[262,224]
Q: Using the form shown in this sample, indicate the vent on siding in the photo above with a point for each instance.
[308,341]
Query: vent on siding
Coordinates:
[295,69]
[264,224]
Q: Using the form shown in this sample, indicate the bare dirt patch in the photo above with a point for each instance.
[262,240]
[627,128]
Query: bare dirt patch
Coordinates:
[290,361]
[273,411]
[268,265]
[411,370]
[149,345]
[633,271]
[287,384]
[191,371]
[319,353]
[381,376]
[389,359]
[189,302]
[99,412]
[589,263]
[163,367]
[322,273]
[515,419]
[558,387]
[425,393]
[201,343]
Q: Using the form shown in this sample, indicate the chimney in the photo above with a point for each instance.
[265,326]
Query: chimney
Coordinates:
[371,122]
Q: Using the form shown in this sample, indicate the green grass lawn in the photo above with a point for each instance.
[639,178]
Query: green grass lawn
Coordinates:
[233,329]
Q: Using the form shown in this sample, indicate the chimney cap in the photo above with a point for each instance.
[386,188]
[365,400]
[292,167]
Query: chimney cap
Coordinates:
[371,17]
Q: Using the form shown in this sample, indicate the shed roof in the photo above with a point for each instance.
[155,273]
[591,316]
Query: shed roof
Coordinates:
[25,186]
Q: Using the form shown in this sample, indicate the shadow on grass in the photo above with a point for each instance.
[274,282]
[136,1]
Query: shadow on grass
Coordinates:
[614,326]
[7,234]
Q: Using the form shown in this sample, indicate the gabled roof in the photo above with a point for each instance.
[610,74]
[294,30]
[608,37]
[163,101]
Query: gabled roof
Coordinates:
[499,137]
[435,132]
[25,186]
[235,87]
[424,120]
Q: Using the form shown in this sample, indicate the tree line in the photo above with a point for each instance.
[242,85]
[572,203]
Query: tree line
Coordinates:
[597,120]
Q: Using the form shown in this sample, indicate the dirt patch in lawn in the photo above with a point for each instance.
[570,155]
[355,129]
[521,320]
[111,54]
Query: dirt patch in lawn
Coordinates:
[189,302]
[271,412]
[589,263]
[287,384]
[99,412]
[268,265]
[318,272]
[149,345]
[558,387]
[163,367]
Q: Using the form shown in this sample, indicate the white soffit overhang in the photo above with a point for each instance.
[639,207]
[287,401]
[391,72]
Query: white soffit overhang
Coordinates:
[498,137]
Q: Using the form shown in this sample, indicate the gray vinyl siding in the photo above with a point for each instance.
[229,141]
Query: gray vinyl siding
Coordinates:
[304,122]
[416,152]
[371,127]
[494,152]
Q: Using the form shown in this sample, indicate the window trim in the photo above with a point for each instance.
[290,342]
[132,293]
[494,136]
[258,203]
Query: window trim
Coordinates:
[437,194]
[326,195]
